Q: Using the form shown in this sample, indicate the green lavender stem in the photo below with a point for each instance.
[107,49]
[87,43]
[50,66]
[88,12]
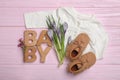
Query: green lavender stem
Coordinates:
[57,38]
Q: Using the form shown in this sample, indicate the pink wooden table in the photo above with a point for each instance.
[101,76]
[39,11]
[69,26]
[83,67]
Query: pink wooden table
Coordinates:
[12,26]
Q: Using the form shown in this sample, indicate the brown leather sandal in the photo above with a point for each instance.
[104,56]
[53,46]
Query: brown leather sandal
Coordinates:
[83,63]
[76,47]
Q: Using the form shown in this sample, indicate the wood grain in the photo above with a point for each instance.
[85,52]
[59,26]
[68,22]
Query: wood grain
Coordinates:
[14,16]
[12,27]
[41,72]
[58,3]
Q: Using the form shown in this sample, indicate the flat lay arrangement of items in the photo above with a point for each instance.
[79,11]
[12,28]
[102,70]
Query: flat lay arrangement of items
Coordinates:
[79,38]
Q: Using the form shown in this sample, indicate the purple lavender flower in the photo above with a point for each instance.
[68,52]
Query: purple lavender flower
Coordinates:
[56,33]
[59,33]
[65,26]
[20,40]
[54,27]
[50,34]
[69,40]
[21,43]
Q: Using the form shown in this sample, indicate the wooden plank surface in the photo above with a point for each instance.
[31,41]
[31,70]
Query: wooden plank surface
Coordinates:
[41,72]
[12,27]
[58,3]
[14,16]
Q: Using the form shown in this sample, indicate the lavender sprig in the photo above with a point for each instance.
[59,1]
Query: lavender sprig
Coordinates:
[21,44]
[65,26]
[50,34]
[56,32]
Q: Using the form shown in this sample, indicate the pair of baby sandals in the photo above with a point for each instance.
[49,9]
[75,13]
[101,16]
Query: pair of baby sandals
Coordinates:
[78,62]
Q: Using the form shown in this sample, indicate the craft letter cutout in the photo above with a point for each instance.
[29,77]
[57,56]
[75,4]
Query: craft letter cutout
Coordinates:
[29,55]
[43,38]
[30,38]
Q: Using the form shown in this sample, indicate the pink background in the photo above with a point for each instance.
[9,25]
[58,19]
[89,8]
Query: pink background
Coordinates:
[12,26]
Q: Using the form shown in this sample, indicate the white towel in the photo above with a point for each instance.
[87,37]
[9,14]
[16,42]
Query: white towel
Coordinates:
[77,23]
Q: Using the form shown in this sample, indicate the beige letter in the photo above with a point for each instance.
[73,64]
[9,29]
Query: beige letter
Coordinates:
[44,38]
[30,38]
[29,55]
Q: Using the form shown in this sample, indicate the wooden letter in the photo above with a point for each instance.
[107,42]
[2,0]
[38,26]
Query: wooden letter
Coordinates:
[44,53]
[29,55]
[44,38]
[30,38]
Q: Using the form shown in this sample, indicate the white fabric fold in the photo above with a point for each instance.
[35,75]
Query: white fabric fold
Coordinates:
[77,23]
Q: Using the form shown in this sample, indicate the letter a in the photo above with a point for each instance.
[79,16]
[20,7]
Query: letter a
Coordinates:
[43,38]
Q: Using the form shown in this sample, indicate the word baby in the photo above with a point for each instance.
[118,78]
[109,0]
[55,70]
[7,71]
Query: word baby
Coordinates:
[31,43]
